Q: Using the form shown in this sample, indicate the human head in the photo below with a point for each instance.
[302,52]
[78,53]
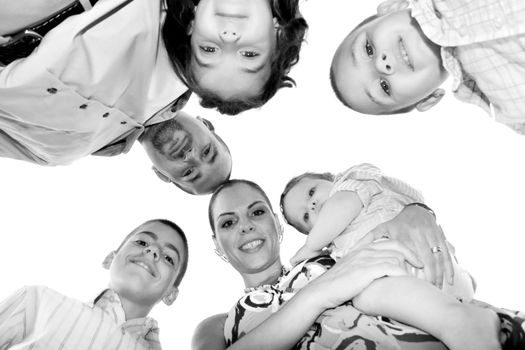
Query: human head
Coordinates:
[245,229]
[187,152]
[216,46]
[149,264]
[303,198]
[386,64]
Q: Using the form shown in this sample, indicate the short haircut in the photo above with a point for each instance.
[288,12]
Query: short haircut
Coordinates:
[228,184]
[292,183]
[290,35]
[176,228]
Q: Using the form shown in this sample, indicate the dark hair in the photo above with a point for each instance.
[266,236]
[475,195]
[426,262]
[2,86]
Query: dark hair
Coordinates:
[228,184]
[291,184]
[290,35]
[176,228]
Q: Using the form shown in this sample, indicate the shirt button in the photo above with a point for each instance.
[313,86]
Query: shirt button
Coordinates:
[123,122]
[52,90]
[83,106]
[105,115]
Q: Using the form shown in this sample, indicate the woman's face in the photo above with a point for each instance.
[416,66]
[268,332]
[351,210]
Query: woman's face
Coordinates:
[232,43]
[246,229]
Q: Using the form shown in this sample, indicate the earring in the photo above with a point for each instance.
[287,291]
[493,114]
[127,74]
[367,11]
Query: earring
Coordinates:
[222,256]
[280,237]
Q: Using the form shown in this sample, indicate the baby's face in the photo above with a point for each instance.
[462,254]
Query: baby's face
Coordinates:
[387,64]
[304,201]
[232,46]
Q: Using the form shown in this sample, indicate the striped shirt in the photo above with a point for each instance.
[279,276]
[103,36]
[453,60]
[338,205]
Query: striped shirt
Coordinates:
[39,318]
[483,49]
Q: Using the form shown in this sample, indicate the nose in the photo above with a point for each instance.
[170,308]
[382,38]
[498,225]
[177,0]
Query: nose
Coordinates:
[313,205]
[153,251]
[385,63]
[229,36]
[247,227]
[188,154]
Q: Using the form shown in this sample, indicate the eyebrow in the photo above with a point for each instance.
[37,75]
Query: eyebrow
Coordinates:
[249,207]
[167,244]
[215,154]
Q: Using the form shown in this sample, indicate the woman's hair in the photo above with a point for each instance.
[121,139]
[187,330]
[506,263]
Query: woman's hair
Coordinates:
[291,184]
[290,35]
[228,184]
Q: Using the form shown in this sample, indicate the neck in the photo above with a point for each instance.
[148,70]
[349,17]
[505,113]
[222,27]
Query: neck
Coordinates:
[134,309]
[268,276]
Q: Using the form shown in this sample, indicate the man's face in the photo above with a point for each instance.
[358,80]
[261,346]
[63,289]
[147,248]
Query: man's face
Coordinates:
[232,44]
[146,266]
[387,64]
[186,152]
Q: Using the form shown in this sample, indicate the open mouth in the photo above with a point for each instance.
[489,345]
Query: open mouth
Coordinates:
[404,54]
[145,266]
[252,246]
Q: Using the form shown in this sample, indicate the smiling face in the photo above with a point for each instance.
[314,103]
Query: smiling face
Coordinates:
[387,64]
[146,266]
[304,201]
[232,45]
[246,229]
[186,152]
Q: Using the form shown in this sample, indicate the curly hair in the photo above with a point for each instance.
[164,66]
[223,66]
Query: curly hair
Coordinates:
[290,36]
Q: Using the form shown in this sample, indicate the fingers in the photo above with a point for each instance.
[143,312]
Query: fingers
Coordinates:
[400,250]
[447,257]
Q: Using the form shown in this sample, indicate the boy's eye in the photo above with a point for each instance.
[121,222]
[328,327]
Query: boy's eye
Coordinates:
[141,243]
[311,192]
[369,48]
[208,49]
[306,217]
[385,86]
[249,54]
[169,259]
[206,150]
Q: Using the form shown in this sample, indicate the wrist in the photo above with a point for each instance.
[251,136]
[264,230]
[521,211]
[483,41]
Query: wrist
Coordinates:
[424,206]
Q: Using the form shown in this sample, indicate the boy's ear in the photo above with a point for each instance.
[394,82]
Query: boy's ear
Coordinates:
[430,101]
[161,175]
[108,260]
[171,296]
[389,6]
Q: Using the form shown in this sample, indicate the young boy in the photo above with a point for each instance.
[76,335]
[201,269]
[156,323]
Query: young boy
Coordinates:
[338,211]
[396,60]
[146,268]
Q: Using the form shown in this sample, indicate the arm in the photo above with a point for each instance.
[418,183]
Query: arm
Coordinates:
[346,279]
[209,334]
[336,214]
[13,315]
[416,227]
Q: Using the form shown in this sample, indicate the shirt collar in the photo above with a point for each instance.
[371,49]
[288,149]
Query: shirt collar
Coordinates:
[143,327]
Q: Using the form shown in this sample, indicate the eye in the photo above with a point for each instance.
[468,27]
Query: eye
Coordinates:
[208,49]
[227,223]
[141,243]
[311,192]
[169,259]
[206,150]
[369,48]
[306,217]
[249,54]
[258,212]
[385,86]
[188,172]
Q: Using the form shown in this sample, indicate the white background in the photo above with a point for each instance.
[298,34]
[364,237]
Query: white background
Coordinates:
[57,224]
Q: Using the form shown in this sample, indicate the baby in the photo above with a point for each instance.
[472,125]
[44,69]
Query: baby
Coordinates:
[396,60]
[146,268]
[337,211]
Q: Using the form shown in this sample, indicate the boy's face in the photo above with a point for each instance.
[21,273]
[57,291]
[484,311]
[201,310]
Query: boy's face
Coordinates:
[304,201]
[387,64]
[146,266]
[232,45]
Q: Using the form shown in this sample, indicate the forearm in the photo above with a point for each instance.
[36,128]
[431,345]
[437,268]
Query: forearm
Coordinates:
[286,327]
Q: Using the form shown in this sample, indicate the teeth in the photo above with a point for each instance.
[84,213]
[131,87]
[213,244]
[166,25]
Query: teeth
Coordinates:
[146,267]
[252,244]
[404,54]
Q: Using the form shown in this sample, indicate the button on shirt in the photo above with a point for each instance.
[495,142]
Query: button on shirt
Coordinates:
[483,49]
[97,78]
[39,318]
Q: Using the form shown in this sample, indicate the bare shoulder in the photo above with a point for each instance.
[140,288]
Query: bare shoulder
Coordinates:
[18,14]
[209,334]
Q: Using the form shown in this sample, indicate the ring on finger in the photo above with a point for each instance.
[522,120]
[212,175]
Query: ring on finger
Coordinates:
[436,249]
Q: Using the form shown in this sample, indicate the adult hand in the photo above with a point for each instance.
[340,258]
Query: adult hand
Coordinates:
[417,229]
[367,261]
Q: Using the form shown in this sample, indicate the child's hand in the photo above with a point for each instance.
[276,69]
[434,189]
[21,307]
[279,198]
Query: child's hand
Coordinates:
[303,254]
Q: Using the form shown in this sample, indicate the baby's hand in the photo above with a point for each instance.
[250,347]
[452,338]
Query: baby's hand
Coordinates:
[303,254]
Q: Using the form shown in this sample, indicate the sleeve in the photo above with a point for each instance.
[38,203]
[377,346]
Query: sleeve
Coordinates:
[363,179]
[10,148]
[14,312]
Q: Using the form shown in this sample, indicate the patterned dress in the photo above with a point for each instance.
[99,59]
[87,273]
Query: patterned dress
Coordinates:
[343,327]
